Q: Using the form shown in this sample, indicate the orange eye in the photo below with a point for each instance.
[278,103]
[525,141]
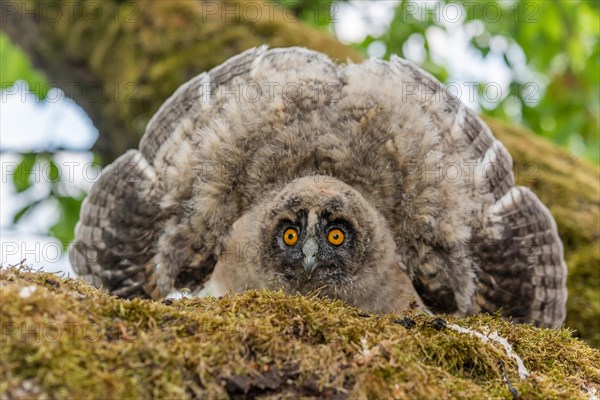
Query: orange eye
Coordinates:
[290,236]
[336,237]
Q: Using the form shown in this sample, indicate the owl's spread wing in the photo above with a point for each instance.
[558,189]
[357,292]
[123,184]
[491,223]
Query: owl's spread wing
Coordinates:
[142,193]
[522,273]
[115,235]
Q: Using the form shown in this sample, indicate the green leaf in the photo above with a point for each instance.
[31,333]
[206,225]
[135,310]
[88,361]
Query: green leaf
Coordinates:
[22,213]
[25,210]
[22,177]
[53,172]
[64,229]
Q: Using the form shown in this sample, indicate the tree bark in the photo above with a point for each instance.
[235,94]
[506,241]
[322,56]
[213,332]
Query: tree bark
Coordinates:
[135,54]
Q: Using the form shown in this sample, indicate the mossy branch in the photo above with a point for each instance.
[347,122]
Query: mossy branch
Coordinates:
[64,339]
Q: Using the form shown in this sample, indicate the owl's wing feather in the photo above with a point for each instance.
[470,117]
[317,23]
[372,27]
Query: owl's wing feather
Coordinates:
[181,104]
[523,273]
[115,235]
[142,192]
[458,125]
[189,98]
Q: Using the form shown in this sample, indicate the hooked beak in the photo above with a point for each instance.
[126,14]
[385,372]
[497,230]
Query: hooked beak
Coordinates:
[309,250]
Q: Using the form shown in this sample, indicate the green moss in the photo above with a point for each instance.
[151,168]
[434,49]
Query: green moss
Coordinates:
[66,339]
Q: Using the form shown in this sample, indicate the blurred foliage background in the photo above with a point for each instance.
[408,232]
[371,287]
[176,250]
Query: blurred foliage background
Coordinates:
[550,50]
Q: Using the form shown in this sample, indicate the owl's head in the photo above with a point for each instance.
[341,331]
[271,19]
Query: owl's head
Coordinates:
[316,234]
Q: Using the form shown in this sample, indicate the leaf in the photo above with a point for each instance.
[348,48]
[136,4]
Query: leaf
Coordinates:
[25,210]
[53,172]
[22,212]
[64,229]
[23,173]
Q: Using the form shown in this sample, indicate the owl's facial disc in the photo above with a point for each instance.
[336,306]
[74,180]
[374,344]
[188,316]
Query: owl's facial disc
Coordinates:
[318,234]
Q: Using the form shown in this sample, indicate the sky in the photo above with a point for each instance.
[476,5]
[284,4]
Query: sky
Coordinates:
[28,124]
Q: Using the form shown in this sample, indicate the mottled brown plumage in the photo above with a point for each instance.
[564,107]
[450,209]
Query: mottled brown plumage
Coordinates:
[285,138]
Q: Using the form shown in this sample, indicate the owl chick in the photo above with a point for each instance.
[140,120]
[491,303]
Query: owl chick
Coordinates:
[366,182]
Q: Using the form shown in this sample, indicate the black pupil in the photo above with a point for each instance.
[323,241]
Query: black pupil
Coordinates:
[290,236]
[336,236]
